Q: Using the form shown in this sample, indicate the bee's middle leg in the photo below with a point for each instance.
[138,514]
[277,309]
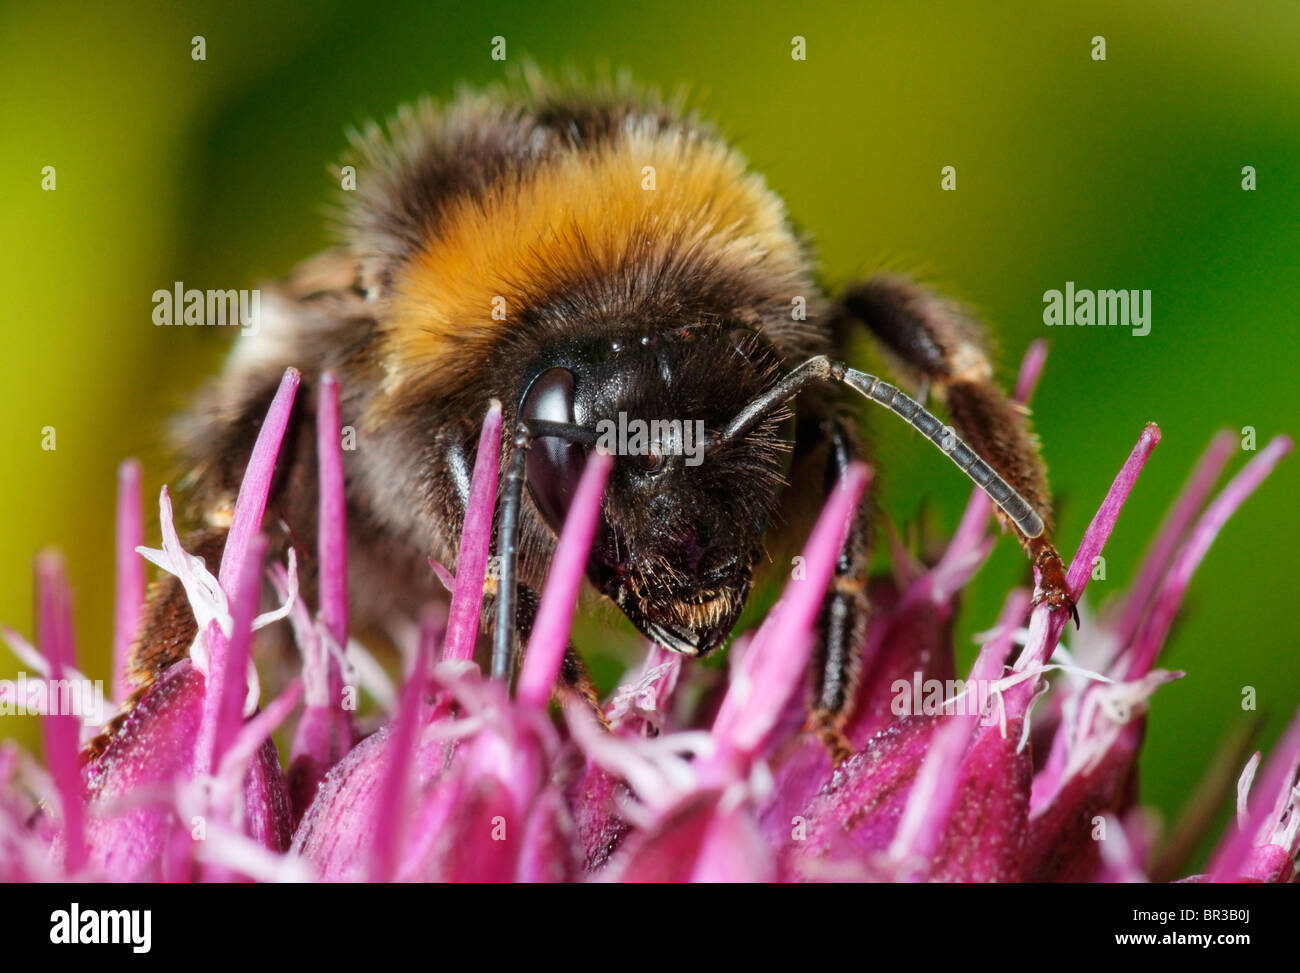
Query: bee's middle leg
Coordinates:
[842,624]
[574,678]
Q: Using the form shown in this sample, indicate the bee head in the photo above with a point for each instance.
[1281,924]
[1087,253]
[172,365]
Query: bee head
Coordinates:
[683,518]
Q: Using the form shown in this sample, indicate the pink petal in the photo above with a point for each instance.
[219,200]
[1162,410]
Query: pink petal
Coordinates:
[857,812]
[475,542]
[548,842]
[129,787]
[1137,600]
[984,837]
[1060,845]
[394,794]
[1207,528]
[670,851]
[1045,625]
[734,850]
[930,804]
[550,634]
[61,732]
[1233,859]
[904,640]
[326,729]
[1031,370]
[481,840]
[638,709]
[332,532]
[338,832]
[256,487]
[226,692]
[128,600]
[778,658]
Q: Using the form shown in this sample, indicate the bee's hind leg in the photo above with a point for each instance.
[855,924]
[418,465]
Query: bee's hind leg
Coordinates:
[944,349]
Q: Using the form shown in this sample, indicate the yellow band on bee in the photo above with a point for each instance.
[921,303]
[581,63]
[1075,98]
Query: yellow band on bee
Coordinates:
[647,196]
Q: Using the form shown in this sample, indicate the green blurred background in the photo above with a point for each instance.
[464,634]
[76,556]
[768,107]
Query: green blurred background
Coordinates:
[1117,174]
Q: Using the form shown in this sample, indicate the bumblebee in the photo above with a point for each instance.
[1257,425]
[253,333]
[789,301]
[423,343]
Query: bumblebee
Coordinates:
[583,256]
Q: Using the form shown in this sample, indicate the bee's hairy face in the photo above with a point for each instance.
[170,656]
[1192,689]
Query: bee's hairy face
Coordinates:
[682,525]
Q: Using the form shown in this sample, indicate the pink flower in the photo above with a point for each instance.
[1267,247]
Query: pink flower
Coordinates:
[1023,770]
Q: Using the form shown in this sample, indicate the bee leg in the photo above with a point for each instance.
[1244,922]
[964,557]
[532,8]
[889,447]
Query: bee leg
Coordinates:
[846,609]
[574,678]
[994,422]
[505,647]
[943,347]
[842,625]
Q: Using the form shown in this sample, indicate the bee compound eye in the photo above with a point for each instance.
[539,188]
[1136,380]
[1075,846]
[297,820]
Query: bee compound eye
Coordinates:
[554,465]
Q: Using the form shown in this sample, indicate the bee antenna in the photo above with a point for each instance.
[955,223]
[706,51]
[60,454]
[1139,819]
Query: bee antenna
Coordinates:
[822,369]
